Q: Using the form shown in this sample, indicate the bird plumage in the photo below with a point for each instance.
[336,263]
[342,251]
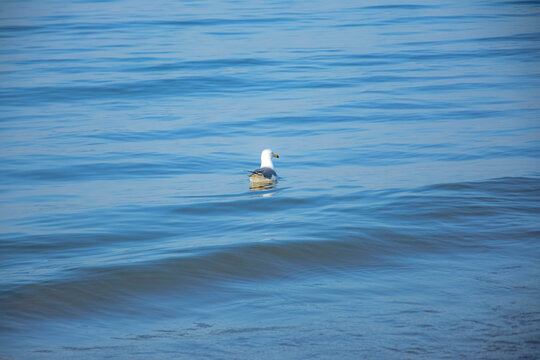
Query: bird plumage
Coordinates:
[266,174]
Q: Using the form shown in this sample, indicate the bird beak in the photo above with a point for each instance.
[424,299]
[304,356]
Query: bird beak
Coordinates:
[276,156]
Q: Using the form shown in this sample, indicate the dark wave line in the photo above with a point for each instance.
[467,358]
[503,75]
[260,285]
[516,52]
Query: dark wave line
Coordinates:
[421,54]
[528,37]
[399,7]
[208,64]
[528,187]
[106,170]
[222,21]
[520,2]
[184,86]
[99,27]
[376,117]
[41,244]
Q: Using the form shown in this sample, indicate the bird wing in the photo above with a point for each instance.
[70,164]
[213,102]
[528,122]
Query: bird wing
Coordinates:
[266,172]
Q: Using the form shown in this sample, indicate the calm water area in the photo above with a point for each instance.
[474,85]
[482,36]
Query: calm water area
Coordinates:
[405,223]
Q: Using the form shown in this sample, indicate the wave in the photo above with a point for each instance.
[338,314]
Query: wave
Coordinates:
[95,289]
[377,229]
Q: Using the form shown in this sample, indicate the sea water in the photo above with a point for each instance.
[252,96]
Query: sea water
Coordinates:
[405,223]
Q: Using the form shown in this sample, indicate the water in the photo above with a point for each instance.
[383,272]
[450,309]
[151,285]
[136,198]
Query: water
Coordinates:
[404,224]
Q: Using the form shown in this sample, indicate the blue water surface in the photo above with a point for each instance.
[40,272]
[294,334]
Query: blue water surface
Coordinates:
[404,224]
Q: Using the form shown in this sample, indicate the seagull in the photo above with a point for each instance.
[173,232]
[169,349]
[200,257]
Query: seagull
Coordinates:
[266,174]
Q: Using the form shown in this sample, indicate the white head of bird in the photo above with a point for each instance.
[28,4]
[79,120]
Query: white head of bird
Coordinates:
[266,158]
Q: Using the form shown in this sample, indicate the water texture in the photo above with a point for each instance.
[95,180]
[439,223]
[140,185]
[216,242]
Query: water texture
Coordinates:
[404,224]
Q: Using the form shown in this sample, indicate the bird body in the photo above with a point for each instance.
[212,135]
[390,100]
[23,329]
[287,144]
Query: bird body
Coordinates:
[265,175]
